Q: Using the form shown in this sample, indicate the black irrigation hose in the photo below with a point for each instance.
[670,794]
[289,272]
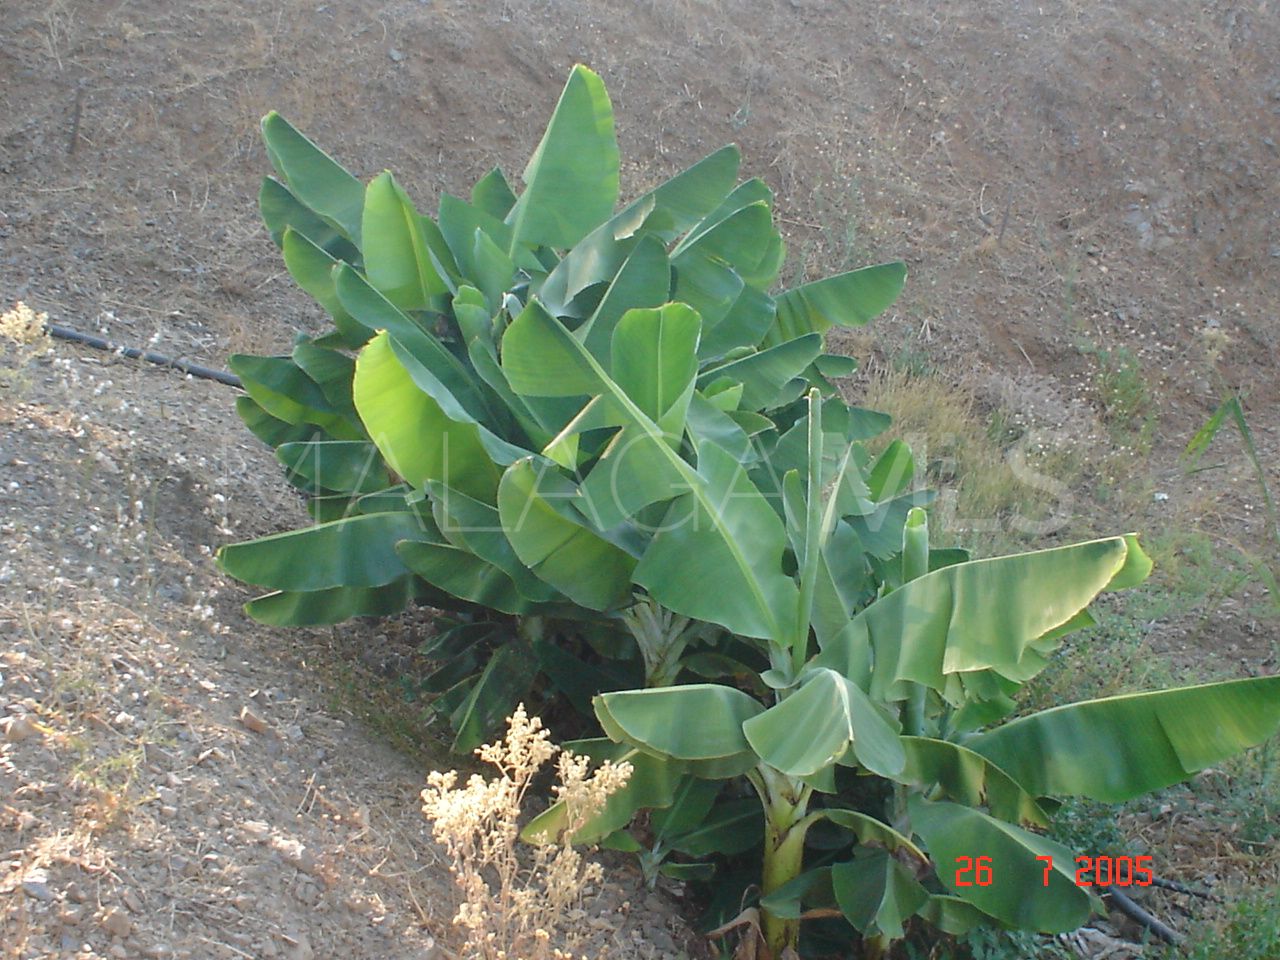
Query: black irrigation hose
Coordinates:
[195,370]
[1159,930]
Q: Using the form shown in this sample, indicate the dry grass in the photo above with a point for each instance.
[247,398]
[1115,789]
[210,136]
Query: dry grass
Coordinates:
[998,478]
[516,908]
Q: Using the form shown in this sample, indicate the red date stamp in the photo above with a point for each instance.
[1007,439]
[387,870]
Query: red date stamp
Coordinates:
[1090,871]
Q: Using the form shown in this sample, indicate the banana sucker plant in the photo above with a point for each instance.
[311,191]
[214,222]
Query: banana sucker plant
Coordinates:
[911,689]
[439,470]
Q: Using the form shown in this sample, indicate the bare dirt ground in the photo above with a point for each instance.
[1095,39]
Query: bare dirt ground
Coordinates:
[1066,181]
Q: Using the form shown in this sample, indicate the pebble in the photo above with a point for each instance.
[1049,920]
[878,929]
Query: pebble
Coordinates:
[37,890]
[251,721]
[18,728]
[116,922]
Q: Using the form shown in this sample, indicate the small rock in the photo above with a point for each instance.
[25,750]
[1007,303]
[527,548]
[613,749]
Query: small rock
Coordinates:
[18,728]
[297,947]
[251,721]
[395,55]
[116,923]
[67,943]
[132,901]
[37,890]
[75,893]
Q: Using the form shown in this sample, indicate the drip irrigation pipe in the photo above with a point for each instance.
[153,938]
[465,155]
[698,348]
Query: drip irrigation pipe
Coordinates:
[192,369]
[1159,930]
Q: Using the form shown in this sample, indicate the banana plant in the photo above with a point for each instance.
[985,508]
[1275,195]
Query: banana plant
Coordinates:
[882,697]
[443,480]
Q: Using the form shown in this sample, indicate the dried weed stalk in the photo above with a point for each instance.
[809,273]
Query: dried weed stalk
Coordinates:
[25,326]
[523,905]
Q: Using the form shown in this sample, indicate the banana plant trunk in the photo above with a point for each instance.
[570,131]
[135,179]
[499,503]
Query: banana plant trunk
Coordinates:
[785,801]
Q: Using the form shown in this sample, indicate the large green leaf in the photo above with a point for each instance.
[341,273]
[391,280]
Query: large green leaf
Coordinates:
[876,893]
[397,260]
[654,359]
[323,607]
[717,555]
[665,211]
[283,389]
[814,726]
[730,828]
[313,176]
[698,723]
[765,373]
[493,194]
[653,784]
[412,430]
[434,369]
[644,280]
[477,526]
[1118,748]
[282,212]
[967,777]
[745,240]
[269,429]
[350,466]
[312,268]
[571,181]
[980,615]
[462,574]
[505,682]
[1018,893]
[847,300]
[870,831]
[355,552]
[554,540]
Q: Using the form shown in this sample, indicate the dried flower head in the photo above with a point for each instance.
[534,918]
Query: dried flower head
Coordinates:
[513,905]
[23,325]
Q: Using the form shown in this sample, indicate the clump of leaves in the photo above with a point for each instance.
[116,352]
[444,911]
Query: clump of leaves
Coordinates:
[512,906]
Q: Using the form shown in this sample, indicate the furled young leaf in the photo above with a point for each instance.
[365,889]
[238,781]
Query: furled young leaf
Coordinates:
[571,181]
[313,176]
[1118,748]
